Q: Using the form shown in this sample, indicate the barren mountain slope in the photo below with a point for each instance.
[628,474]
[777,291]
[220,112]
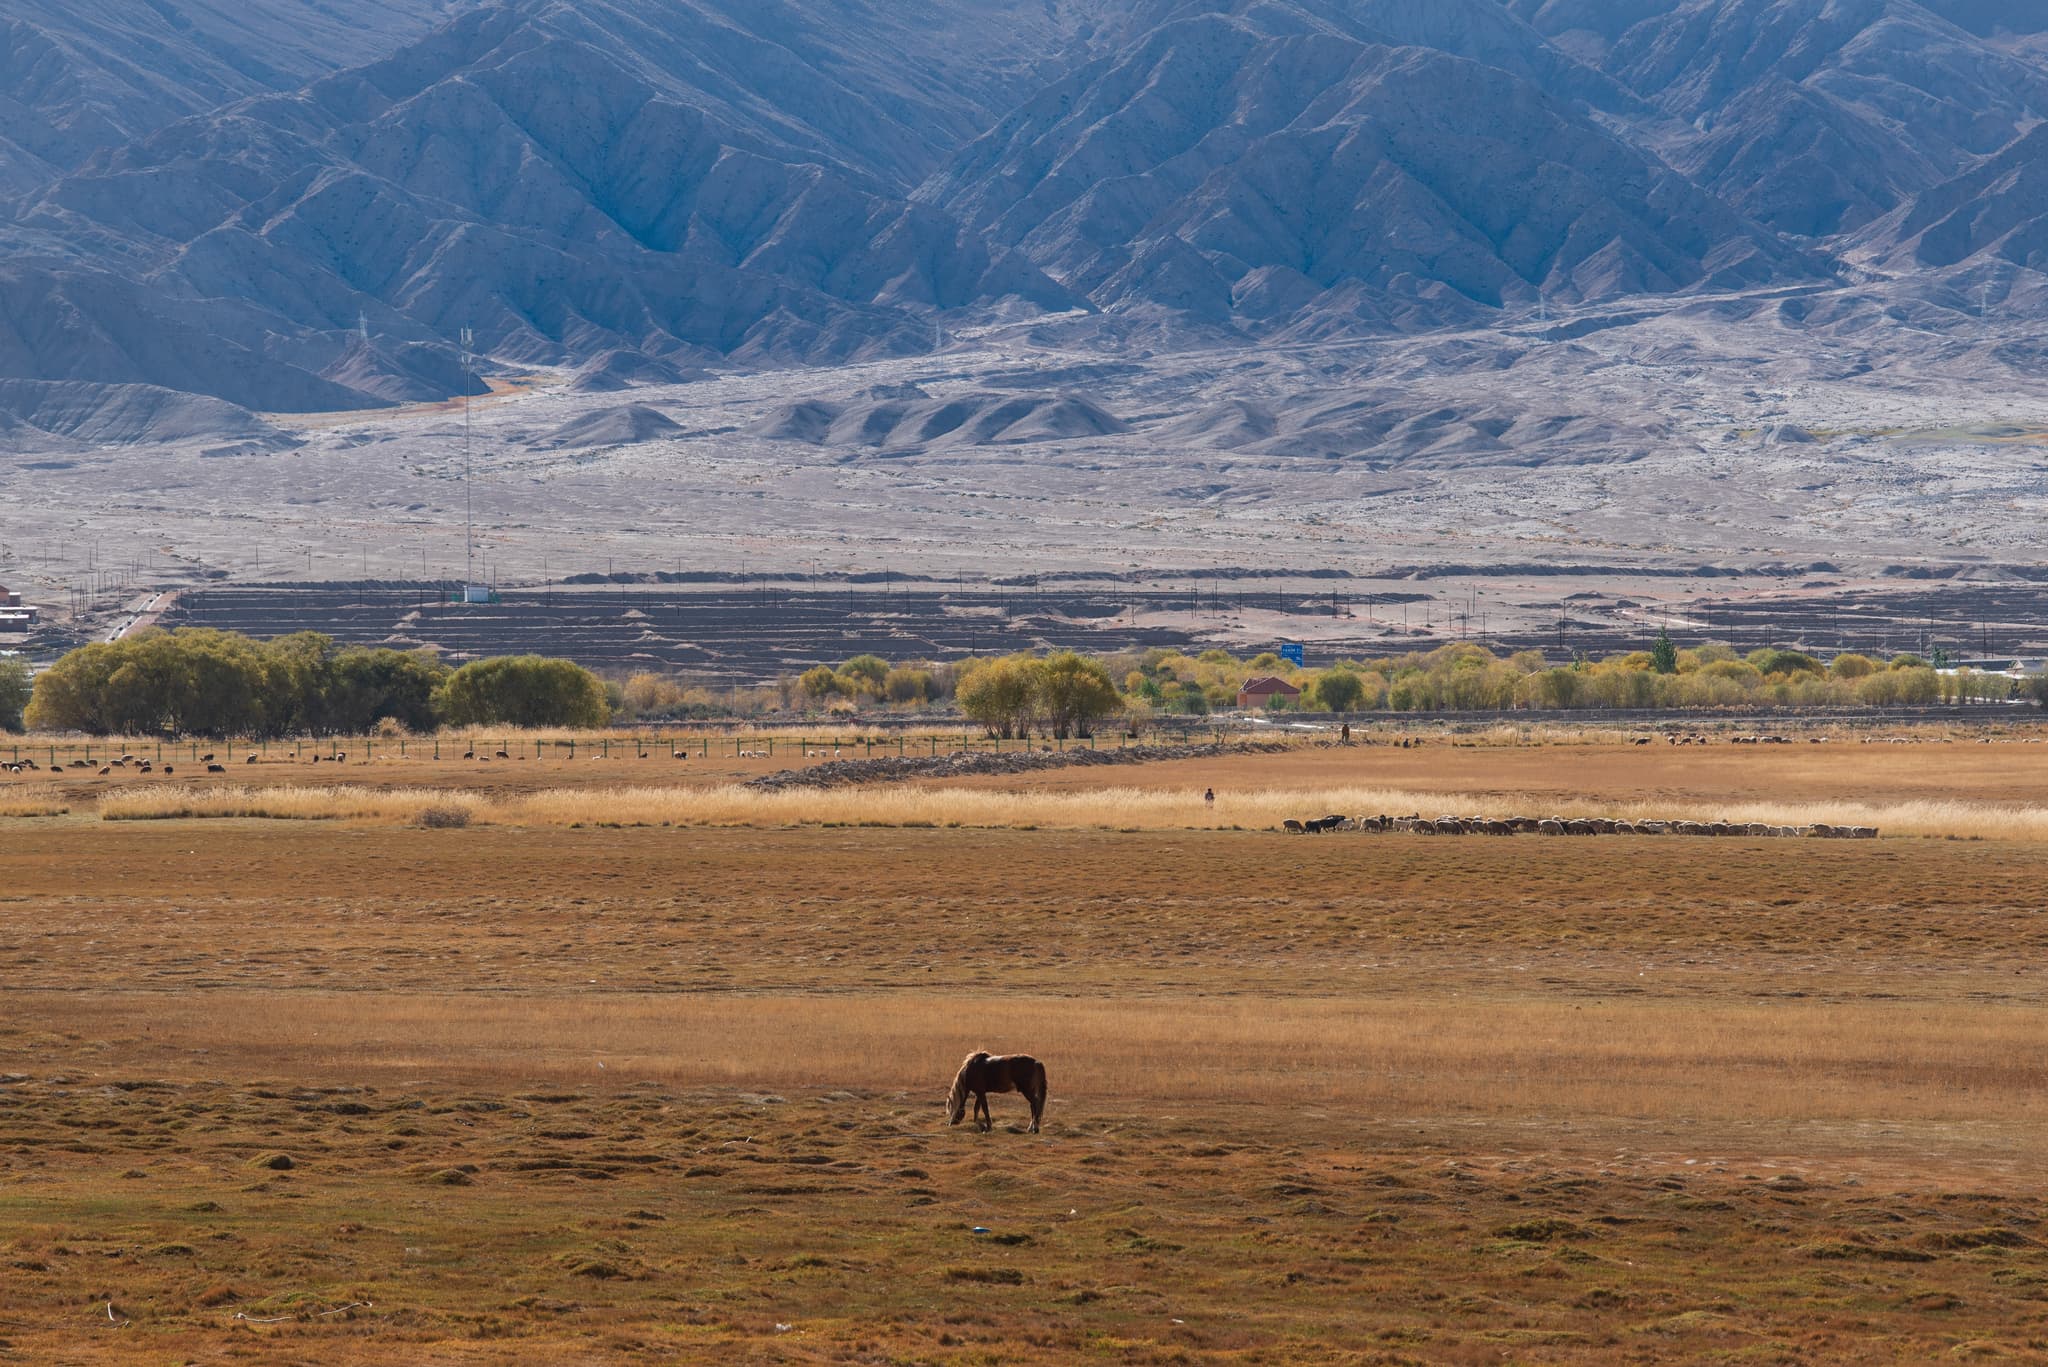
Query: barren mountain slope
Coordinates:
[1257,168]
[1993,216]
[550,174]
[77,76]
[1815,116]
[650,189]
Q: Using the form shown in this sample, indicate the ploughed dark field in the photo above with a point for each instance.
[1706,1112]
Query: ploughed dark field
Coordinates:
[748,633]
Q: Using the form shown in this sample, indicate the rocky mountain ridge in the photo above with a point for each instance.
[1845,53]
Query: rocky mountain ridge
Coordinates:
[284,207]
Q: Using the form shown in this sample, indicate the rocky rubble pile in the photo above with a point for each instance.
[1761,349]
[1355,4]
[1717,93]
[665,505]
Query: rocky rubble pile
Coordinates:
[966,764]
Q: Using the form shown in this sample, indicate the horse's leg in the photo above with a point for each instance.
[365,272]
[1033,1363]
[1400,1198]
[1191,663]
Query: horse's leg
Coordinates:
[1036,1096]
[983,1120]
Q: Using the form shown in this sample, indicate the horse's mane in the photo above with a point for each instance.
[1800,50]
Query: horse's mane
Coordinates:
[958,1096]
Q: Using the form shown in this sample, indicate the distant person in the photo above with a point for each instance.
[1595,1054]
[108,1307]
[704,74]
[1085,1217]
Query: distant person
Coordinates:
[1345,734]
[1209,796]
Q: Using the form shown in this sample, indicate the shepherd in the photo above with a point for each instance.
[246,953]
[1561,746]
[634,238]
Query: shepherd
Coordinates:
[983,1073]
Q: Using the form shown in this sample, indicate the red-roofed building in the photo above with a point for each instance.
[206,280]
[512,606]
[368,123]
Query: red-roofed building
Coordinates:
[1261,691]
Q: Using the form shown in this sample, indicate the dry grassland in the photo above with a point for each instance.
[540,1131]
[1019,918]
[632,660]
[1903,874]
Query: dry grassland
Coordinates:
[1110,808]
[612,1092]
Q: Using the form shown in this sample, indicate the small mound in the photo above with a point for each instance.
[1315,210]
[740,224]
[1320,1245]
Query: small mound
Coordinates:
[612,371]
[623,426]
[902,418]
[129,414]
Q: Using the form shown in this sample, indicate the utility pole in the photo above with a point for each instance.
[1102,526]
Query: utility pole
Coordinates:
[468,513]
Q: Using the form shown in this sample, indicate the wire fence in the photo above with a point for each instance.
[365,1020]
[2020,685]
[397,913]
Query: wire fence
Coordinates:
[183,756]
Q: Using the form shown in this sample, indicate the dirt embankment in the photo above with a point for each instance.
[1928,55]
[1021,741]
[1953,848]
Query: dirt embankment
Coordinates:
[850,772]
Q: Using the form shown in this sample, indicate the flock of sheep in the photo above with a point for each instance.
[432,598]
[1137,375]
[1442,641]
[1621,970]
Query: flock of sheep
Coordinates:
[1558,825]
[134,763]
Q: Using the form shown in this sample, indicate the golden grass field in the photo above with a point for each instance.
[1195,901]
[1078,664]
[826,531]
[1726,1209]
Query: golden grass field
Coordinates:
[574,1085]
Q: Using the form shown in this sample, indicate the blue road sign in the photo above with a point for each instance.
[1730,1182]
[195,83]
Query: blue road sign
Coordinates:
[1291,652]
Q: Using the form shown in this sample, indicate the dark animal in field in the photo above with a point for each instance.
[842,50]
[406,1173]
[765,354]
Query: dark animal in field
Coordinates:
[469,754]
[341,756]
[503,755]
[983,1073]
[1293,827]
[216,768]
[169,769]
[206,758]
[250,760]
[106,769]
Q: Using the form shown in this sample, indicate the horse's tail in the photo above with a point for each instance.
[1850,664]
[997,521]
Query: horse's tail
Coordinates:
[1038,1087]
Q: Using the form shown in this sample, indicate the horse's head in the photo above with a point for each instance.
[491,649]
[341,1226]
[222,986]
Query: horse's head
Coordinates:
[956,1100]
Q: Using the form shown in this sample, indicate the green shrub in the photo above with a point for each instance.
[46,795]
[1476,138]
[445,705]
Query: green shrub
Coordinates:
[523,690]
[16,688]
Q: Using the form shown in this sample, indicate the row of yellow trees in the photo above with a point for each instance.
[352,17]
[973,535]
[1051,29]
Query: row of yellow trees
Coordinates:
[203,682]
[1470,678]
[1021,692]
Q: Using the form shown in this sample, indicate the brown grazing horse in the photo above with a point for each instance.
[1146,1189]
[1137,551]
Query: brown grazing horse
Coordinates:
[983,1073]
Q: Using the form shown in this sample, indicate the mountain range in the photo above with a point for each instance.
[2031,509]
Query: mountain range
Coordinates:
[292,206]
